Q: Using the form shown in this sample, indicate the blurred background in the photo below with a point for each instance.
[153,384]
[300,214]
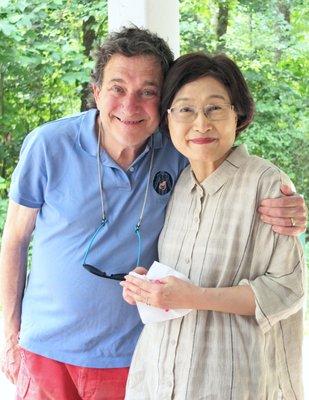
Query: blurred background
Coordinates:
[45,63]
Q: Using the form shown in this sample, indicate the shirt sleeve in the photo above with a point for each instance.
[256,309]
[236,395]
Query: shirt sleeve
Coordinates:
[29,177]
[279,292]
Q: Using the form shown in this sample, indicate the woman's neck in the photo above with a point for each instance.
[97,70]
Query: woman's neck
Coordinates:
[201,169]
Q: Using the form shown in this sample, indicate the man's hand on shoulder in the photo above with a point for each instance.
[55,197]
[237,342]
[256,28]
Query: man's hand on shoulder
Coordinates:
[287,214]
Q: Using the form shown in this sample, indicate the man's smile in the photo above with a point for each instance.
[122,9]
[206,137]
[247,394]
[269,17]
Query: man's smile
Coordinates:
[129,122]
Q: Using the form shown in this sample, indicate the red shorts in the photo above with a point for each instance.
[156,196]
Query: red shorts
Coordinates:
[41,378]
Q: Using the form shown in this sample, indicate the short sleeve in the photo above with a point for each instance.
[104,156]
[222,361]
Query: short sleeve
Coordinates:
[29,177]
[279,292]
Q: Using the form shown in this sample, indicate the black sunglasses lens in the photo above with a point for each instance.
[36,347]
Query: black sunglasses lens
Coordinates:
[94,270]
[117,277]
[102,274]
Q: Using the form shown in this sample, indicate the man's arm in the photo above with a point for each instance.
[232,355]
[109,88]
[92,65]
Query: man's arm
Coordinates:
[17,232]
[287,214]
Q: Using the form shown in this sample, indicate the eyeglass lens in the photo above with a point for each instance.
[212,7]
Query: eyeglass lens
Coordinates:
[102,274]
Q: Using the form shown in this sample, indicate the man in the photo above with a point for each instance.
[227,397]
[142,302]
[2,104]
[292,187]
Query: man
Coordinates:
[93,188]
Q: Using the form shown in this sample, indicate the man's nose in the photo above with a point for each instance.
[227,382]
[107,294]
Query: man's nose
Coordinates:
[131,103]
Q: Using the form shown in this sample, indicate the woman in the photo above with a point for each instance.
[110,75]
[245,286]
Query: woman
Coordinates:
[243,338]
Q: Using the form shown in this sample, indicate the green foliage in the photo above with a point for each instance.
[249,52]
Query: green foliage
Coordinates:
[268,41]
[43,68]
[3,207]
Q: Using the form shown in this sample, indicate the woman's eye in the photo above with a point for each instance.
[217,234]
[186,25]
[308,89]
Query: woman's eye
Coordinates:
[186,109]
[214,107]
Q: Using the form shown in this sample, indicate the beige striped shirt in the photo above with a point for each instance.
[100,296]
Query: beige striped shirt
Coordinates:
[213,234]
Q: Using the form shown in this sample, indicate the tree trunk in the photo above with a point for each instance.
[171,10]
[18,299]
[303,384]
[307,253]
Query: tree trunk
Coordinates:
[88,40]
[1,93]
[222,23]
[284,9]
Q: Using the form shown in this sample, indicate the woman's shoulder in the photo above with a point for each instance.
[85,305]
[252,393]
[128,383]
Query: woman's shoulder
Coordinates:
[266,170]
[266,176]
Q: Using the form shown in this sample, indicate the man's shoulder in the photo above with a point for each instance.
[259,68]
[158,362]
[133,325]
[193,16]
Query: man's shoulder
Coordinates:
[59,130]
[65,124]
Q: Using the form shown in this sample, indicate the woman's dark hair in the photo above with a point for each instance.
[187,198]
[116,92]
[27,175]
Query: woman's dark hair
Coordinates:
[190,67]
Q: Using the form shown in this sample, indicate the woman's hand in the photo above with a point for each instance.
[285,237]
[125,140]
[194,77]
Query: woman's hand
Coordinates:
[126,293]
[165,293]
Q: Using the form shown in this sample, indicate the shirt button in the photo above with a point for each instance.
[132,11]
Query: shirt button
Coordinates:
[131,169]
[187,260]
[196,219]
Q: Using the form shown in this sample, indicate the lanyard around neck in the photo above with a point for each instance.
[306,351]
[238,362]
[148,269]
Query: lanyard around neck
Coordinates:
[100,179]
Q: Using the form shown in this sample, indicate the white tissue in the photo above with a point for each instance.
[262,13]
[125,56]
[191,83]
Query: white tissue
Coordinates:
[151,314]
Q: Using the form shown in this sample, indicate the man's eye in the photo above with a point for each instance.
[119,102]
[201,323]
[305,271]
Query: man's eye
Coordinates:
[117,89]
[149,93]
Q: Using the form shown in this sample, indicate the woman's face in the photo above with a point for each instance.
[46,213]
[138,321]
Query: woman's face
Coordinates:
[198,137]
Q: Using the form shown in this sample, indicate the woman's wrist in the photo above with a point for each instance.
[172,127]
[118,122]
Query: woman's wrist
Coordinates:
[200,299]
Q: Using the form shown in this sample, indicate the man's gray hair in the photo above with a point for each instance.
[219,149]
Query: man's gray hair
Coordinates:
[129,42]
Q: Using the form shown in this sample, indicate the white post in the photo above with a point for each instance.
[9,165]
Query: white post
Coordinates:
[159,16]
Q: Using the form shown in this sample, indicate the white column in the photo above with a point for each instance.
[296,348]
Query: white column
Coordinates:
[159,16]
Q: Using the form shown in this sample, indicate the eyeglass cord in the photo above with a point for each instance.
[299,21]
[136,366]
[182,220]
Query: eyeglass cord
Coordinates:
[103,222]
[104,219]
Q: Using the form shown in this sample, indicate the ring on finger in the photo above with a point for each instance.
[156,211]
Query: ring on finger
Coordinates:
[292,222]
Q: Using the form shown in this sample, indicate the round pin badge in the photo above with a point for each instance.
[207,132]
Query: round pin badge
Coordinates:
[162,182]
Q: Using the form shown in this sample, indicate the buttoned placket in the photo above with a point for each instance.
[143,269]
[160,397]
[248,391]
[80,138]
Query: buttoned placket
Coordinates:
[193,229]
[167,376]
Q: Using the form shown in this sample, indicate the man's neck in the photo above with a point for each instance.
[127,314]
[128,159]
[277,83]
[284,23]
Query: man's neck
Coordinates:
[124,157]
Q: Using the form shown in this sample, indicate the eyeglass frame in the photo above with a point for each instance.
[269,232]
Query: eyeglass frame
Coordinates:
[198,109]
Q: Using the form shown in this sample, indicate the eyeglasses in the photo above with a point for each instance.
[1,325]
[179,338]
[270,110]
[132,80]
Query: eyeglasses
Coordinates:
[95,270]
[213,112]
[91,268]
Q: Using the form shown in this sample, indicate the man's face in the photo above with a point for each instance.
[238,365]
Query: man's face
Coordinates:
[128,100]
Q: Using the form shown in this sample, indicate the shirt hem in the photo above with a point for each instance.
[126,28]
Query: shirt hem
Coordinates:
[82,361]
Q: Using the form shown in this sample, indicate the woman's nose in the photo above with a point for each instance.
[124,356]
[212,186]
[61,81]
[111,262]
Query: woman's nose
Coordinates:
[202,123]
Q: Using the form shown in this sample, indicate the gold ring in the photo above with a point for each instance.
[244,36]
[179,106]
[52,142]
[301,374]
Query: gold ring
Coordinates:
[292,222]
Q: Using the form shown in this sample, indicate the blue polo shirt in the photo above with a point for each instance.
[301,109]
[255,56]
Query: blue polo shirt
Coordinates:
[69,314]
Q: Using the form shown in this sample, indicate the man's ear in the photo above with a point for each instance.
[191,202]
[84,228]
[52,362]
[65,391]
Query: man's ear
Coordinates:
[96,92]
